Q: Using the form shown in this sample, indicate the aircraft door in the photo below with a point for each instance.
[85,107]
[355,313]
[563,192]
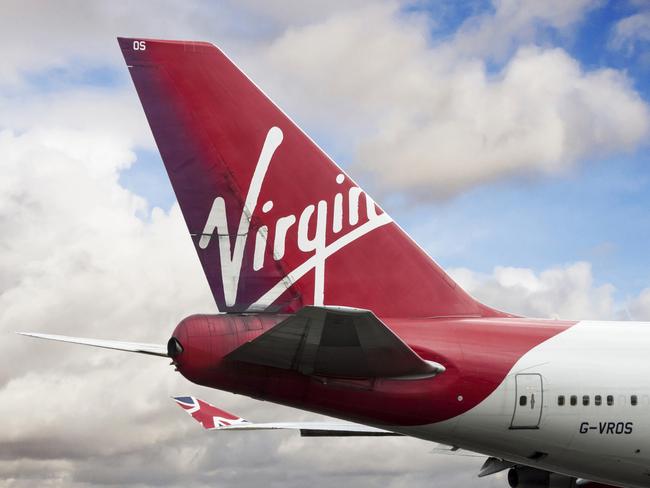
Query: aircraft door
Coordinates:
[528,401]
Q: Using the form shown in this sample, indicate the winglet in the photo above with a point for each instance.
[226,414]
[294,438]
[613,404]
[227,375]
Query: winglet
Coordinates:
[209,416]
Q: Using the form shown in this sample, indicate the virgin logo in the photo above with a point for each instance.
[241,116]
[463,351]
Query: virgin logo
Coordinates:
[313,221]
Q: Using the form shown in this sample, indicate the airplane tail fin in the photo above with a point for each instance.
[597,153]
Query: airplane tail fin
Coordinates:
[276,223]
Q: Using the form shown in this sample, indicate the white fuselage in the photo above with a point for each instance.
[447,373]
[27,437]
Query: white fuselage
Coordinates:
[607,442]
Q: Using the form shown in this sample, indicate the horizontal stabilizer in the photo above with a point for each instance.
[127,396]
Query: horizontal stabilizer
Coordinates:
[213,418]
[152,349]
[336,342]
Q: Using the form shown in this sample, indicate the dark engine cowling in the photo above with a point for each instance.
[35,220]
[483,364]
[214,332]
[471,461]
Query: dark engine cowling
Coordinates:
[525,477]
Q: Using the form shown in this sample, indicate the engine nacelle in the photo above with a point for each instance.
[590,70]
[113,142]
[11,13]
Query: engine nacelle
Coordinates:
[200,342]
[525,477]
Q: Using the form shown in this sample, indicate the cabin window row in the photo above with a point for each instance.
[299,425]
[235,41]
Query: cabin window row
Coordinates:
[598,400]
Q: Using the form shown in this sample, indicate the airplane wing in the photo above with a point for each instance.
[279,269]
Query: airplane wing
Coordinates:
[213,418]
[336,342]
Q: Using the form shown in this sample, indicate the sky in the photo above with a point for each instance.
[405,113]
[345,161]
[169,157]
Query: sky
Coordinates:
[509,138]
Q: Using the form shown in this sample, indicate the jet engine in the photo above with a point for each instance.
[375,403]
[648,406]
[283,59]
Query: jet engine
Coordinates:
[525,477]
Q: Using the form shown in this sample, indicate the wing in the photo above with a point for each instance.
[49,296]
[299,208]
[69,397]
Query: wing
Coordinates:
[142,348]
[213,418]
[336,342]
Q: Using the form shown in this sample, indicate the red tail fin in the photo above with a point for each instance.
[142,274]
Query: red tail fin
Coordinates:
[276,224]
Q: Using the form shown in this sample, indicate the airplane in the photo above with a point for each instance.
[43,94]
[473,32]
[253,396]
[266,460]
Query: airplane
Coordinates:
[327,305]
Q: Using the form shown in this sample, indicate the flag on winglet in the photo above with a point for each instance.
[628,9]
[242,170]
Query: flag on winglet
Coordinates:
[209,416]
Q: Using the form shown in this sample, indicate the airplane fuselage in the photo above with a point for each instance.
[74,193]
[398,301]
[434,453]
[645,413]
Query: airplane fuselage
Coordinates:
[567,397]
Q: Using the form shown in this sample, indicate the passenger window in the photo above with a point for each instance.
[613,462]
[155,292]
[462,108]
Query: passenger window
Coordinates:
[610,400]
[585,400]
[634,400]
[598,400]
[522,400]
[574,400]
[560,400]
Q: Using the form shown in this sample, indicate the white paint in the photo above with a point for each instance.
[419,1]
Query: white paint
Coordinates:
[316,244]
[260,247]
[281,228]
[590,358]
[231,259]
[311,232]
[353,202]
[337,217]
[267,299]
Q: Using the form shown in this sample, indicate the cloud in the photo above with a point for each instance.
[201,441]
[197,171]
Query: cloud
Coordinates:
[542,114]
[638,308]
[493,100]
[631,32]
[514,22]
[82,255]
[78,259]
[38,36]
[433,119]
[113,113]
[565,292]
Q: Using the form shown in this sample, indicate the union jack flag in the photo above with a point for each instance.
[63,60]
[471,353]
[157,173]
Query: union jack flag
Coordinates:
[209,416]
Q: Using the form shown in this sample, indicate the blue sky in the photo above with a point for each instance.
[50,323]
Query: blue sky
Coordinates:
[597,213]
[593,35]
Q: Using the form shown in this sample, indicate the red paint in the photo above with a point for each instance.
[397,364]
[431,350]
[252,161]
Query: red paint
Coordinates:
[210,123]
[478,353]
[206,413]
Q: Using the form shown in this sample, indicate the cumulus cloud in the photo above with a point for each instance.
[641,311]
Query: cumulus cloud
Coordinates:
[563,292]
[77,259]
[638,308]
[105,112]
[567,292]
[435,119]
[74,36]
[631,32]
[492,100]
[514,22]
[71,35]
[77,256]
